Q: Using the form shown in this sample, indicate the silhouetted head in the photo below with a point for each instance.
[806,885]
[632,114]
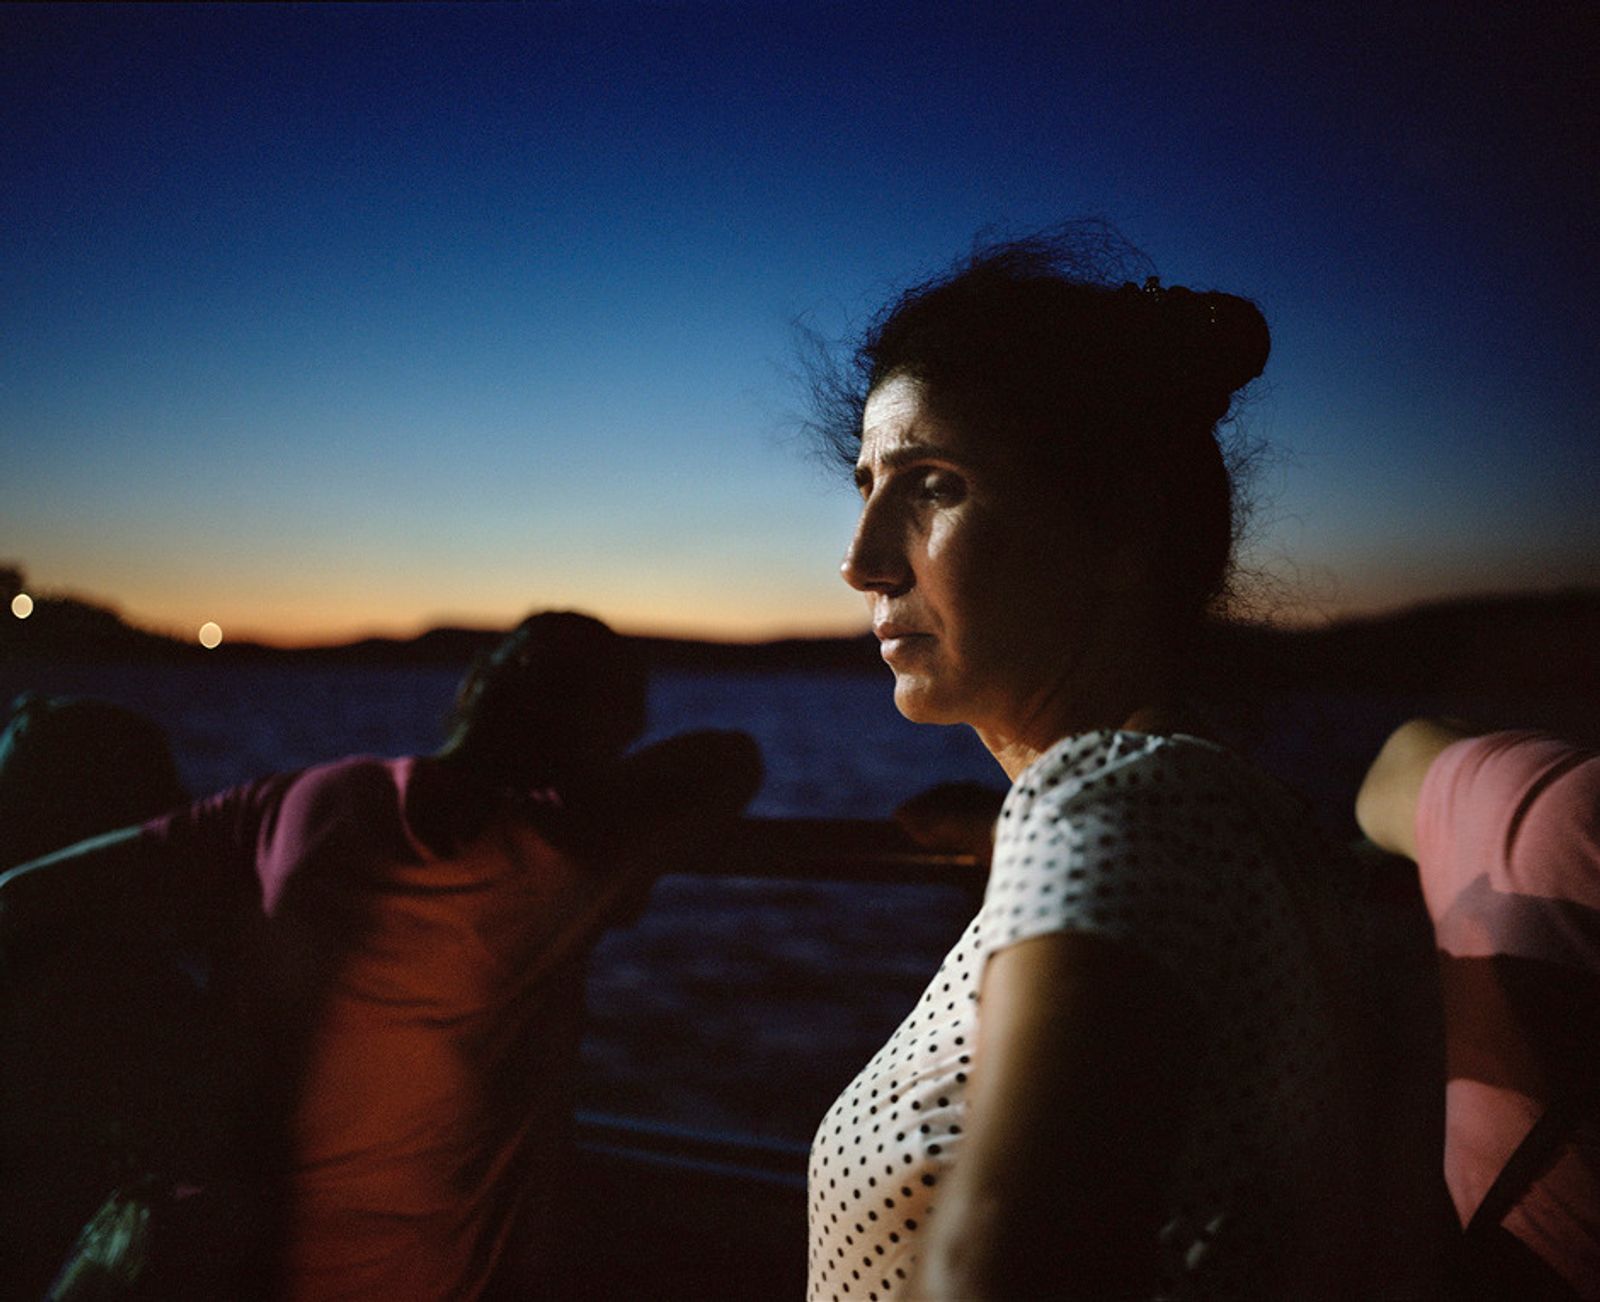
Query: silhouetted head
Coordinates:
[559,696]
[75,768]
[1035,437]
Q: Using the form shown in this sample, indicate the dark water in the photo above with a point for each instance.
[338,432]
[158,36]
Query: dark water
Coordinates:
[834,744]
[731,1004]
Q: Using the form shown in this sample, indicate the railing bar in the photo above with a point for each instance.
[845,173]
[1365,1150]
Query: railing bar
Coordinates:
[832,849]
[666,1133]
[786,1180]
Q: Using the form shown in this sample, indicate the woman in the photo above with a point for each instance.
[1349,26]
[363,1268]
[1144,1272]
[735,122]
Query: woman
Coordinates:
[1126,1080]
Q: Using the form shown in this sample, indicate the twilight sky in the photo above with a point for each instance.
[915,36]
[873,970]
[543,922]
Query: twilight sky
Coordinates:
[321,320]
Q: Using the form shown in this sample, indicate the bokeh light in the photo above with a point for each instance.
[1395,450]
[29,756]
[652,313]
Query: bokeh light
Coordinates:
[210,635]
[22,605]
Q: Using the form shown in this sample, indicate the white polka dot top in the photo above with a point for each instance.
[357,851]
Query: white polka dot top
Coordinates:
[1178,848]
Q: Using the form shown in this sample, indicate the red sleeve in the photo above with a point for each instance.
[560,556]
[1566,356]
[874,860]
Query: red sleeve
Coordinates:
[221,835]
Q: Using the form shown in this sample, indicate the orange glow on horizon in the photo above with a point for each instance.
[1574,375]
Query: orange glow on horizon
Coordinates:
[291,625]
[700,630]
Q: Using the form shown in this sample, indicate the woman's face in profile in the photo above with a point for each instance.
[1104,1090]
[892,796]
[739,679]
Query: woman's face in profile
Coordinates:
[978,582]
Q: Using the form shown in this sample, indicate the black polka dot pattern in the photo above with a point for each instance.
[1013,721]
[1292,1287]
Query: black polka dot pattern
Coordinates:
[880,1151]
[1179,849]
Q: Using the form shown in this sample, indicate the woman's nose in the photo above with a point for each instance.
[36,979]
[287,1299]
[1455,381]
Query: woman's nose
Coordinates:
[876,561]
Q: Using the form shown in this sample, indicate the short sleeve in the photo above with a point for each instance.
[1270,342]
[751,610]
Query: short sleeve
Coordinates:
[1117,836]
[1517,813]
[1508,834]
[218,837]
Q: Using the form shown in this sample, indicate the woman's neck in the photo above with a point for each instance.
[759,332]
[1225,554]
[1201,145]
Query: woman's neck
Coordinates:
[1015,752]
[1102,689]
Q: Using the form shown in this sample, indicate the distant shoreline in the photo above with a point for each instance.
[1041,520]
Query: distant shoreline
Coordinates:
[1518,644]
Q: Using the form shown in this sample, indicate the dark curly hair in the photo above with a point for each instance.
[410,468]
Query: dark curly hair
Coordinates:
[1065,346]
[558,694]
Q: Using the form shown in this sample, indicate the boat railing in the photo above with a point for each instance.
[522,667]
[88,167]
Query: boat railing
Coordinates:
[836,850]
[707,1214]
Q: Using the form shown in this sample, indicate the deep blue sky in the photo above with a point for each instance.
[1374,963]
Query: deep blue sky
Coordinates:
[316,320]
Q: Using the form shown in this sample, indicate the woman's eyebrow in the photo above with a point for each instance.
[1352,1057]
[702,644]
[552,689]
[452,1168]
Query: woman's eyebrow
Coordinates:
[903,454]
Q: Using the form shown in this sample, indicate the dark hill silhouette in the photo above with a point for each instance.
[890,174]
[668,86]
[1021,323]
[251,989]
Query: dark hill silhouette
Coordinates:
[1512,645]
[68,629]
[1496,646]
[64,629]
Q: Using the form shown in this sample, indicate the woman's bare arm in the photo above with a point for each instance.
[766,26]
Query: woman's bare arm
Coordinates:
[1386,804]
[1074,1109]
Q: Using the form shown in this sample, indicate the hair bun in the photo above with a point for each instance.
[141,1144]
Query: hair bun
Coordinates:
[1222,339]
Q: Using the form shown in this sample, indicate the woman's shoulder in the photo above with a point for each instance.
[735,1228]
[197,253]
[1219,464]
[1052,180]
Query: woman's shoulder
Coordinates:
[1124,835]
[1168,843]
[1152,783]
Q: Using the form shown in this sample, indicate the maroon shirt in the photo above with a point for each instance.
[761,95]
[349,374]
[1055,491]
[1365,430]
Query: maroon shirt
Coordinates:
[435,1006]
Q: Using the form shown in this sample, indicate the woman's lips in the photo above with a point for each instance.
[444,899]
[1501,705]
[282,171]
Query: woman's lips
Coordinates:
[898,644]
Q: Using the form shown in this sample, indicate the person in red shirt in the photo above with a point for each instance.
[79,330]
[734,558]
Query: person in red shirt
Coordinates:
[1505,832]
[404,945]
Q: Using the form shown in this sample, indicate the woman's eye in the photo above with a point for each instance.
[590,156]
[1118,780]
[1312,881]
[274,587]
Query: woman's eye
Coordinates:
[941,486]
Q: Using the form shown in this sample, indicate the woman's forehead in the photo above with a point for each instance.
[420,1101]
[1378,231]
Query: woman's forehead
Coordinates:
[901,425]
[895,402]
[898,424]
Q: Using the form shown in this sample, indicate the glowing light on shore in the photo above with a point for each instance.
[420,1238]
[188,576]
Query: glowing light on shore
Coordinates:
[210,635]
[22,605]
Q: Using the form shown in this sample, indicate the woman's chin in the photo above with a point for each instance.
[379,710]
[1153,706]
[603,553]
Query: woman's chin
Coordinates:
[919,701]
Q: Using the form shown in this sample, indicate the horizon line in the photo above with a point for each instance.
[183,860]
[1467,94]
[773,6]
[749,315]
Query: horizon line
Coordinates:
[1295,619]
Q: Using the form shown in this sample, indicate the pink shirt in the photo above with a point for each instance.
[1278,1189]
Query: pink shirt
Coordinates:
[1508,847]
[433,1004]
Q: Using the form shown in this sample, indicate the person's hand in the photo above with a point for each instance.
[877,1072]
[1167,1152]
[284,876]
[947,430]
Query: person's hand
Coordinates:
[954,817]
